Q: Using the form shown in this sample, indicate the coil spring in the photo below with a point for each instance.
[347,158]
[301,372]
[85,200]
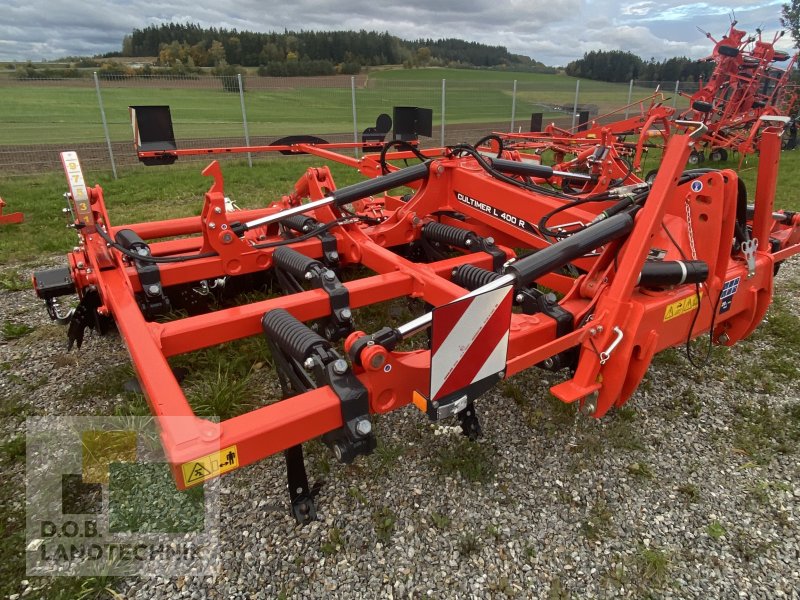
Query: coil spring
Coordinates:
[291,336]
[447,234]
[472,277]
[300,223]
[291,260]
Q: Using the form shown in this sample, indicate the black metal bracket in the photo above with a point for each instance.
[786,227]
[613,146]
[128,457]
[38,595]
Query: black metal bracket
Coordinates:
[304,509]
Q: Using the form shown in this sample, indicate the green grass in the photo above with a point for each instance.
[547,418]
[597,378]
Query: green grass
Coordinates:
[139,194]
[302,105]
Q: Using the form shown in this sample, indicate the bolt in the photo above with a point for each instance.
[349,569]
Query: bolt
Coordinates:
[153,289]
[338,451]
[519,298]
[501,374]
[309,276]
[468,243]
[377,361]
[142,252]
[340,366]
[88,271]
[363,427]
[593,331]
[224,226]
[76,249]
[599,329]
[81,265]
[227,238]
[212,225]
[309,364]
[490,241]
[589,404]
[345,313]
[548,363]
[333,255]
[330,275]
[723,338]
[218,210]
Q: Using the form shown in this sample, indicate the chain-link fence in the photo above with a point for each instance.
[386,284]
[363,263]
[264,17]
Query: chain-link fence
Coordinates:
[42,117]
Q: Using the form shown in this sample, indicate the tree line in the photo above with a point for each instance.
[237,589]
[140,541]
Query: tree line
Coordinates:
[619,66]
[309,52]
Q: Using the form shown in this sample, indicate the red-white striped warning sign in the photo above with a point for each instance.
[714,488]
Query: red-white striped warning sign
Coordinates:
[469,341]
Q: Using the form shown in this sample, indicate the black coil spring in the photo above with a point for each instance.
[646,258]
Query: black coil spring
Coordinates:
[447,234]
[472,277]
[291,260]
[301,223]
[290,335]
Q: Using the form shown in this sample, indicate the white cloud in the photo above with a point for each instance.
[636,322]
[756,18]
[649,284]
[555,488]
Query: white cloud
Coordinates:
[554,32]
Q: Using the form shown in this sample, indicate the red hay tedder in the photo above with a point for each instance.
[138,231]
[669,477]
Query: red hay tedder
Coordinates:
[613,271]
[748,91]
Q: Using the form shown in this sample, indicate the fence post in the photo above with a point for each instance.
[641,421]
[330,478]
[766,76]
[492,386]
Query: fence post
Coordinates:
[575,104]
[355,119]
[105,125]
[675,97]
[513,105]
[444,87]
[630,95]
[244,120]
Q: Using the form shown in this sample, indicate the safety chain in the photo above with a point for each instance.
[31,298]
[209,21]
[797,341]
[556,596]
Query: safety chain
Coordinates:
[691,231]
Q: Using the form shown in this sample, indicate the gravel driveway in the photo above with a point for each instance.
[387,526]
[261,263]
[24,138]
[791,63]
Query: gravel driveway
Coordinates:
[691,491]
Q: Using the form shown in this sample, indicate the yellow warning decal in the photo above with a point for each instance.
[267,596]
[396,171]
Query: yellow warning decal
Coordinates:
[681,307]
[210,465]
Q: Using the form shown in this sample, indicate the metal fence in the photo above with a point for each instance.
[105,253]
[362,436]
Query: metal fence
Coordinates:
[42,117]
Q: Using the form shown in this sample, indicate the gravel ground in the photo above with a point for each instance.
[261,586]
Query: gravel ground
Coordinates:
[691,491]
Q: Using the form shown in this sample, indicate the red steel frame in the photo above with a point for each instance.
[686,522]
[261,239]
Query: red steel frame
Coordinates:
[16,217]
[620,311]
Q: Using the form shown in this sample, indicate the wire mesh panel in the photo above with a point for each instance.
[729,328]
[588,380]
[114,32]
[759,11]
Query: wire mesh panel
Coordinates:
[42,117]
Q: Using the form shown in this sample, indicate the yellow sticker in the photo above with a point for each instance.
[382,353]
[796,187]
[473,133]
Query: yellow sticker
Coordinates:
[681,307]
[210,465]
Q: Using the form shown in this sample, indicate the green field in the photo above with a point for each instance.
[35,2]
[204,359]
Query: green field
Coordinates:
[68,111]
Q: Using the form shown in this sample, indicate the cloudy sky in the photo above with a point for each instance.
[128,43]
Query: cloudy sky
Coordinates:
[551,31]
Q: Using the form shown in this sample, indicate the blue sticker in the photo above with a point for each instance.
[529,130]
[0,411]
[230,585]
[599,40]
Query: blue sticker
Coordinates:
[728,292]
[697,186]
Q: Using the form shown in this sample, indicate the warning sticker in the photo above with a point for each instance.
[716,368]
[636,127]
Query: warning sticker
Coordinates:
[681,307]
[210,465]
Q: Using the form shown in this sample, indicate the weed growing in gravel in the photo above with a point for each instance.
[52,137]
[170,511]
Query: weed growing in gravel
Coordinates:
[716,530]
[13,449]
[358,495]
[334,543]
[599,522]
[468,544]
[748,546]
[440,520]
[640,470]
[762,432]
[14,281]
[385,456]
[473,460]
[689,491]
[653,565]
[384,520]
[13,331]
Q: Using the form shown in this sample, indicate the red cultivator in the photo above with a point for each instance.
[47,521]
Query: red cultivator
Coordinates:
[612,274]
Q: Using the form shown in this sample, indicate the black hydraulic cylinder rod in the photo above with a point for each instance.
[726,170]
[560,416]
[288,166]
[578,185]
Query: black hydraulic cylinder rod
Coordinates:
[529,169]
[362,189]
[529,268]
[673,272]
[345,195]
